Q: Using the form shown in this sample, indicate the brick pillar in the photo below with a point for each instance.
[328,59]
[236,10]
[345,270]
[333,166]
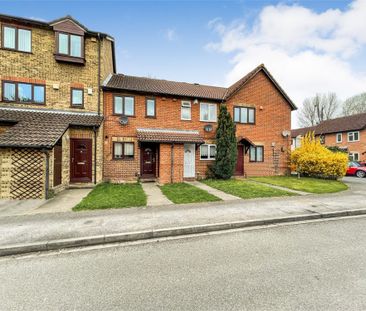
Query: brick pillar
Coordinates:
[165,160]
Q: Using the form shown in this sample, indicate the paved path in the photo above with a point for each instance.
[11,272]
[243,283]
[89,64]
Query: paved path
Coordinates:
[218,193]
[45,227]
[18,207]
[314,266]
[154,195]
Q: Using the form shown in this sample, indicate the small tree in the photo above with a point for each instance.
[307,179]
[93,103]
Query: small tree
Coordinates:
[226,145]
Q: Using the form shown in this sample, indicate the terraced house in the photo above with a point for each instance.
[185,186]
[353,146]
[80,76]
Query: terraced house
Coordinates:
[347,133]
[51,105]
[165,130]
[67,117]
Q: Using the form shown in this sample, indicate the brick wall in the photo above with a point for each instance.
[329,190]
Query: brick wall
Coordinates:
[357,146]
[40,66]
[273,116]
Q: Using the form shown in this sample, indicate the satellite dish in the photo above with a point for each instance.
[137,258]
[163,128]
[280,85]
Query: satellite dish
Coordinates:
[123,120]
[286,133]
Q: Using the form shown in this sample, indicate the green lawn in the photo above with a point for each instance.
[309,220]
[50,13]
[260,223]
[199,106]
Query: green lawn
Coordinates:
[245,189]
[306,184]
[108,195]
[184,193]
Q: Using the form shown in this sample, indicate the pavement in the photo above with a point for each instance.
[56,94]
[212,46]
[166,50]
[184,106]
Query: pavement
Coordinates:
[312,266]
[217,193]
[154,195]
[45,231]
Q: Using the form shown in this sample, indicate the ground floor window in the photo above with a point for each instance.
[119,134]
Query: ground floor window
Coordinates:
[354,156]
[256,154]
[208,152]
[123,150]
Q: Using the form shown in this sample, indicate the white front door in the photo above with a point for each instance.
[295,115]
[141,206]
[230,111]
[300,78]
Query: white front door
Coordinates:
[189,160]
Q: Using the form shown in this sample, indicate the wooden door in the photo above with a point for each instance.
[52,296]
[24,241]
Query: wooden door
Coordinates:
[239,169]
[148,161]
[80,160]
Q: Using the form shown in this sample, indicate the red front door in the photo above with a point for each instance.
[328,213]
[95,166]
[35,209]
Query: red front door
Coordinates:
[148,156]
[239,169]
[80,160]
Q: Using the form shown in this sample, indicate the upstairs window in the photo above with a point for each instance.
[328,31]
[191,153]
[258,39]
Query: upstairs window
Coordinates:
[353,136]
[185,113]
[339,137]
[23,92]
[150,107]
[208,112]
[124,105]
[70,45]
[256,154]
[18,39]
[77,97]
[244,115]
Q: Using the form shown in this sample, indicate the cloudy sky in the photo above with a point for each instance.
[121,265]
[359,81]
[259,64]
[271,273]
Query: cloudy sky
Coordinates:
[309,46]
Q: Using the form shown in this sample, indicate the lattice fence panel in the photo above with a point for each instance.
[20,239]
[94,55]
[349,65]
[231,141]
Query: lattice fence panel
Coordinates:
[27,174]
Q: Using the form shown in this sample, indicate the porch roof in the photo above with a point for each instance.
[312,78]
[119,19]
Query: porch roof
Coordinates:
[40,128]
[245,141]
[169,136]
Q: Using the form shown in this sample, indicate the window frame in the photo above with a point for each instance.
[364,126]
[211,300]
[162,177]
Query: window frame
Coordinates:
[208,152]
[190,109]
[123,157]
[17,101]
[353,155]
[123,105]
[256,154]
[247,108]
[82,97]
[82,46]
[16,48]
[337,140]
[146,101]
[353,135]
[209,104]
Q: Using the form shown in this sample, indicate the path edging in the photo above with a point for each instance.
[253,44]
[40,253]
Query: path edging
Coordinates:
[162,233]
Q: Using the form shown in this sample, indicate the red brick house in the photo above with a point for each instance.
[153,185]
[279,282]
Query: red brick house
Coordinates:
[348,133]
[165,130]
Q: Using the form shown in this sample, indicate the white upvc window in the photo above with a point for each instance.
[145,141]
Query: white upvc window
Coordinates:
[185,112]
[354,156]
[339,137]
[208,112]
[207,152]
[353,136]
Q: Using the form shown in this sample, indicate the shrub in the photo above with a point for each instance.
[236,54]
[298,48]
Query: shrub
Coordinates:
[313,159]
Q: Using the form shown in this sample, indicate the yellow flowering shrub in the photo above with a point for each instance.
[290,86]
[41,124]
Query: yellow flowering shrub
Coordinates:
[313,159]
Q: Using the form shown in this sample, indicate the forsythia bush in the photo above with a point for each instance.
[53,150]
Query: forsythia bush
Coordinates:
[313,159]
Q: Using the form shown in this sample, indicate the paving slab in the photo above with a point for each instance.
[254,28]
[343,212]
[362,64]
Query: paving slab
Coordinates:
[217,193]
[154,195]
[280,188]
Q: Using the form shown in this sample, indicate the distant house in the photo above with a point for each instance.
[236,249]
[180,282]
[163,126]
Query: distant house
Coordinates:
[348,133]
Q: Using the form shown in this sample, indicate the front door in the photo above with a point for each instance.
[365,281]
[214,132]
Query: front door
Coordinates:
[148,161]
[80,160]
[239,169]
[189,160]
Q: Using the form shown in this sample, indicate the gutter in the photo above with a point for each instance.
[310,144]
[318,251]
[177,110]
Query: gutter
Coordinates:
[172,164]
[99,69]
[95,155]
[47,179]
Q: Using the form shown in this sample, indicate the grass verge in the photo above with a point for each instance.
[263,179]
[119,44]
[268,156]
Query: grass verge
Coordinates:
[306,184]
[180,193]
[108,195]
[245,189]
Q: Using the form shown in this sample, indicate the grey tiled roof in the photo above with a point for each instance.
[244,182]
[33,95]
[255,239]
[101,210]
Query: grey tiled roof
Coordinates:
[40,128]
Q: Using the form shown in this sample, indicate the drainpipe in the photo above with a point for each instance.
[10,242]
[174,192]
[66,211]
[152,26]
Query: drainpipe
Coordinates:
[95,154]
[99,69]
[47,181]
[172,164]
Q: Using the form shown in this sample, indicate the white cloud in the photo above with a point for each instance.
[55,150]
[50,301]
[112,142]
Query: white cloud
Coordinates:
[171,34]
[307,52]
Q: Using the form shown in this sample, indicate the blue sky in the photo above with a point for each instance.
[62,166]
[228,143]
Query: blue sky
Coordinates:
[217,42]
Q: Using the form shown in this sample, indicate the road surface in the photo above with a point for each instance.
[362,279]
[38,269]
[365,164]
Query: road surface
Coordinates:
[312,266]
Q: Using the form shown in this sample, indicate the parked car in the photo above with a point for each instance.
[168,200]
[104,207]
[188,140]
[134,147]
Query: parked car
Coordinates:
[356,169]
[363,163]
